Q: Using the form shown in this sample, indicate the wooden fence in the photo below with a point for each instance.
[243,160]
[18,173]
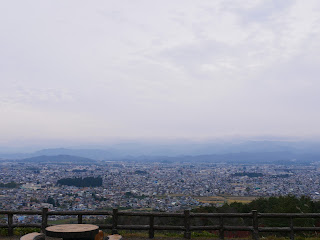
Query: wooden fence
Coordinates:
[187,228]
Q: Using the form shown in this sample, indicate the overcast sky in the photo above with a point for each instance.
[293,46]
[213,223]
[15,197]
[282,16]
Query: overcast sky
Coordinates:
[89,71]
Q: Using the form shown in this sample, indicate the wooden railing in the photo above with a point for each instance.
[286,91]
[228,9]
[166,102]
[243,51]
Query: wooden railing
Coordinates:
[187,228]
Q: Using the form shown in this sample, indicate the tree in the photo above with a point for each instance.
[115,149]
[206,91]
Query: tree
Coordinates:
[51,201]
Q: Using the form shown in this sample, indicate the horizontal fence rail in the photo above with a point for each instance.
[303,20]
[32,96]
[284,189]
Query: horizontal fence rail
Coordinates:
[187,228]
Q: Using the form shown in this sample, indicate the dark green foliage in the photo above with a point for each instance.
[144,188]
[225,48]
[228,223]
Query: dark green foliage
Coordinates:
[34,200]
[249,174]
[128,194]
[23,231]
[19,231]
[51,201]
[3,232]
[282,204]
[141,172]
[131,195]
[81,182]
[9,185]
[79,170]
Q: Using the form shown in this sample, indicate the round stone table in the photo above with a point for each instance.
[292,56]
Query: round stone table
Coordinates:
[73,231]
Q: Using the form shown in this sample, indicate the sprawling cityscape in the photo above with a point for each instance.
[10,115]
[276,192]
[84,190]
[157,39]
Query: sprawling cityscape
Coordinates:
[150,186]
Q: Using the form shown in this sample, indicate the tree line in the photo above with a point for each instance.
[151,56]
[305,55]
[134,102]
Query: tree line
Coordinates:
[9,185]
[281,204]
[81,182]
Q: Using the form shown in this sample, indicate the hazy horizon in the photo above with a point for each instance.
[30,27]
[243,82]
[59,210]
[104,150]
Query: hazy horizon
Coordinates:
[78,73]
[182,145]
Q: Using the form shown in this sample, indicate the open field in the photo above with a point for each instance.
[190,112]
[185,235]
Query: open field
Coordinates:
[221,199]
[225,199]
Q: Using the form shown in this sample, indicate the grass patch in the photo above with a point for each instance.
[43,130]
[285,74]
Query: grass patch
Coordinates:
[3,232]
[63,221]
[19,231]
[224,199]
[166,234]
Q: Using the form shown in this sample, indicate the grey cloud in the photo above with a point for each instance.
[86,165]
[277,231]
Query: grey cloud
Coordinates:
[147,69]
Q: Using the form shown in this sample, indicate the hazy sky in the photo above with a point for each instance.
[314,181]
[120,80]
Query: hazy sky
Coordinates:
[95,70]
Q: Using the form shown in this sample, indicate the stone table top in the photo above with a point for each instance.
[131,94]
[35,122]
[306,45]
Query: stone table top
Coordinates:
[72,231]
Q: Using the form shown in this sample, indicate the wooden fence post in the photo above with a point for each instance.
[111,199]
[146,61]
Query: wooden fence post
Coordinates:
[114,221]
[79,218]
[291,229]
[187,233]
[221,229]
[255,224]
[10,222]
[151,227]
[44,222]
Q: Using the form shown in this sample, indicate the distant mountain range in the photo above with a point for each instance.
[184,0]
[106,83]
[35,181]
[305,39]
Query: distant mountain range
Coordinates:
[96,154]
[248,151]
[284,158]
[59,159]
